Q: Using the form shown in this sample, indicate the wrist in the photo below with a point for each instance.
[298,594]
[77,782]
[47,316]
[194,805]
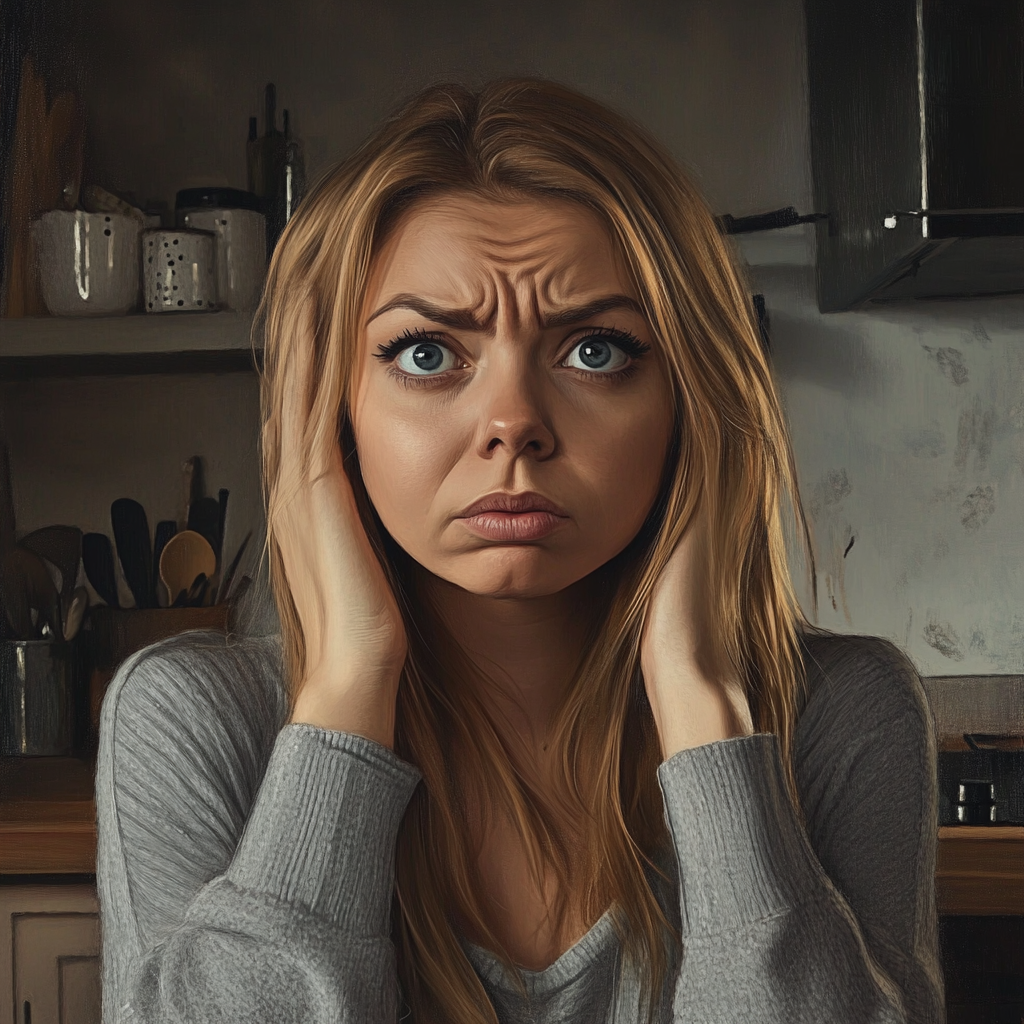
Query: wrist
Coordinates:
[690,710]
[364,708]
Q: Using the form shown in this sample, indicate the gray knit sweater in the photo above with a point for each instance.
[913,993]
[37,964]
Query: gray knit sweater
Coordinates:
[245,866]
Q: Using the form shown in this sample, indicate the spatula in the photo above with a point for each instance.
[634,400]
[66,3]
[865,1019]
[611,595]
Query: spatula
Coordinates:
[204,518]
[131,534]
[98,558]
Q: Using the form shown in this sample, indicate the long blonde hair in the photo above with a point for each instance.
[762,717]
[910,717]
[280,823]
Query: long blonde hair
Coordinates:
[730,452]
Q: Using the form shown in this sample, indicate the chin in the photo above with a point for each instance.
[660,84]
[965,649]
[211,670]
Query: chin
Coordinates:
[510,571]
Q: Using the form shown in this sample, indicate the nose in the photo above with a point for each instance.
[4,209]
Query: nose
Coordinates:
[513,419]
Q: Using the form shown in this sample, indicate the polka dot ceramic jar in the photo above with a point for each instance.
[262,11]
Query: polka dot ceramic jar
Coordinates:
[179,271]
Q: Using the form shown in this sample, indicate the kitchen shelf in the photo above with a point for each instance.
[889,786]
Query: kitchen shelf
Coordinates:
[48,825]
[52,346]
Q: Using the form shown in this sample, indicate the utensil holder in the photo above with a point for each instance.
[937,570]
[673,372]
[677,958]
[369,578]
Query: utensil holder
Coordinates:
[116,633]
[38,683]
[119,632]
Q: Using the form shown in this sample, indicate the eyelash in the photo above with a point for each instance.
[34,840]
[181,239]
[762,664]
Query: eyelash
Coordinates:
[629,343]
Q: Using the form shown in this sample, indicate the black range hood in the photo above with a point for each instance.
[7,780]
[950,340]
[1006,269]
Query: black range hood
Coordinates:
[917,148]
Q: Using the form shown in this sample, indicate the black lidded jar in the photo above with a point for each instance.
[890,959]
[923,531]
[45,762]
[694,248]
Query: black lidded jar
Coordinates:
[976,804]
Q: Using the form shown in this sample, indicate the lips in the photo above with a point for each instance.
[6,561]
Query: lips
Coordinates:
[505,501]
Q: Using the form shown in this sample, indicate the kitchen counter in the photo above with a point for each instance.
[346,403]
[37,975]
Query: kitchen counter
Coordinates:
[48,825]
[980,870]
[47,815]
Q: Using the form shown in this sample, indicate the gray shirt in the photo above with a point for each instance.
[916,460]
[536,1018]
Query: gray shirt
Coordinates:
[245,865]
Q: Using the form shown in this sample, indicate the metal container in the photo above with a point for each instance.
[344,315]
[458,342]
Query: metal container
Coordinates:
[37,697]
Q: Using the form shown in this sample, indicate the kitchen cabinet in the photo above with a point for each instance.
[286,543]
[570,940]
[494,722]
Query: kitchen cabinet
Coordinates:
[49,954]
[50,968]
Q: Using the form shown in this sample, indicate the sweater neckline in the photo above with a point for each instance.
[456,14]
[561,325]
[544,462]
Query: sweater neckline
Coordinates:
[579,957]
[600,943]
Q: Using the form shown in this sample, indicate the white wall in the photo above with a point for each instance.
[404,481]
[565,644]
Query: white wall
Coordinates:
[908,426]
[908,423]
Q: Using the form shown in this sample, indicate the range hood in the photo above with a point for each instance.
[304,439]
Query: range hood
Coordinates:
[917,148]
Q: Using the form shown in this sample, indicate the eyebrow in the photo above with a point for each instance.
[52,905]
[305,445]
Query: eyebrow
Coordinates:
[463,319]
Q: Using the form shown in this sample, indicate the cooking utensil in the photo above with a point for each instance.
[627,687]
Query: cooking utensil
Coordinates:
[14,595]
[222,499]
[240,591]
[131,534]
[76,610]
[191,478]
[98,559]
[26,585]
[165,530]
[185,556]
[224,591]
[193,597]
[204,518]
[45,173]
[61,545]
[197,591]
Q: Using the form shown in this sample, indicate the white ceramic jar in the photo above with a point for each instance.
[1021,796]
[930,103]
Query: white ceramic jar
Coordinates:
[241,253]
[179,271]
[88,262]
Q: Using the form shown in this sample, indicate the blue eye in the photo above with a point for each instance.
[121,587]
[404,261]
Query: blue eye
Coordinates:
[596,353]
[424,358]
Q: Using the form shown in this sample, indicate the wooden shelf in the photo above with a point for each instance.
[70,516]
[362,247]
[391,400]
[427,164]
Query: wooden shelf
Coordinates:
[51,346]
[48,825]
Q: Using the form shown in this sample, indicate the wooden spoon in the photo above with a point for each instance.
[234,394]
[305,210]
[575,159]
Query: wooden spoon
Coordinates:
[185,556]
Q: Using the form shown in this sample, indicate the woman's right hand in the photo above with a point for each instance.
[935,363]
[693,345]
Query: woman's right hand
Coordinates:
[355,639]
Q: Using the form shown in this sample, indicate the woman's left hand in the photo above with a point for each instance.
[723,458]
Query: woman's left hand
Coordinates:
[693,701]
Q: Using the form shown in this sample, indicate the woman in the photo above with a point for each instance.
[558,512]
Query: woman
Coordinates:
[545,737]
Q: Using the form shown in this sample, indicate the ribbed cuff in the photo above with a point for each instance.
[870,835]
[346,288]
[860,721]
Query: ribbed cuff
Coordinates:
[322,830]
[742,853]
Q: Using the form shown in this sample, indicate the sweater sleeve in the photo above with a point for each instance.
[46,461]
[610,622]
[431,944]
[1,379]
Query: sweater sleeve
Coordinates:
[832,924]
[221,904]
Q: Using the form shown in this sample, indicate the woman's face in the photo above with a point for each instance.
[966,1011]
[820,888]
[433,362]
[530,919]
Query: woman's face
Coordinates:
[504,351]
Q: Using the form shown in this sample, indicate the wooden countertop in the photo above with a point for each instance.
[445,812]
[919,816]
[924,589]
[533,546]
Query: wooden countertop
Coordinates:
[48,825]
[47,816]
[980,870]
